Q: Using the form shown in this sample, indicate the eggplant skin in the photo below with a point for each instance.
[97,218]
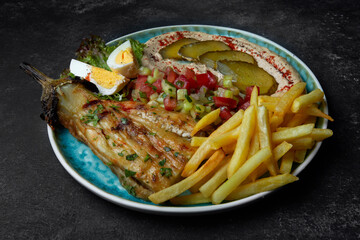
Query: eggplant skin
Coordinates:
[147,148]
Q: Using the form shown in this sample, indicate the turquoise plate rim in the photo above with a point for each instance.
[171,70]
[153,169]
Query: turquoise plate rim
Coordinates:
[193,209]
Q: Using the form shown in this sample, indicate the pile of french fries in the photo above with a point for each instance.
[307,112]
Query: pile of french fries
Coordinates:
[253,151]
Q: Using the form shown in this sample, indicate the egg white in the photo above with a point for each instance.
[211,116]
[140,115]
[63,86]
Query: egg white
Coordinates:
[129,69]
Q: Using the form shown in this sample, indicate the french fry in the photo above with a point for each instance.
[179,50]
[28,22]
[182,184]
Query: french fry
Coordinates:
[285,103]
[305,100]
[292,133]
[269,105]
[206,120]
[277,152]
[217,179]
[196,187]
[297,120]
[229,149]
[240,175]
[303,143]
[299,156]
[265,136]
[197,141]
[261,185]
[205,148]
[267,99]
[188,182]
[286,162]
[242,145]
[225,139]
[191,199]
[313,110]
[254,97]
[319,134]
[254,144]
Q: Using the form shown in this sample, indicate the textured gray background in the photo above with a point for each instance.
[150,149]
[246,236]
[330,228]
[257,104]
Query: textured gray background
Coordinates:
[40,200]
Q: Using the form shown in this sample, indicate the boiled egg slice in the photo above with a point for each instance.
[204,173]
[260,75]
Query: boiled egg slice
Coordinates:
[106,82]
[122,60]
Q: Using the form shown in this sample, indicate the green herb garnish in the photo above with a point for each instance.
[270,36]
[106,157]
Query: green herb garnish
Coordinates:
[176,154]
[129,173]
[167,149]
[167,172]
[130,189]
[131,157]
[142,94]
[92,116]
[162,162]
[147,158]
[188,98]
[124,121]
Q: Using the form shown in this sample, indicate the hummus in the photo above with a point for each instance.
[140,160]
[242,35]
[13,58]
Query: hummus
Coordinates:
[284,74]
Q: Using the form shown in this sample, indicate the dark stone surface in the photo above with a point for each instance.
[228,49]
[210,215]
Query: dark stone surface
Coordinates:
[40,200]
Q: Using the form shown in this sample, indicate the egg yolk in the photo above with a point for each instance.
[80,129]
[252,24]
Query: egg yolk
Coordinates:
[124,56]
[105,78]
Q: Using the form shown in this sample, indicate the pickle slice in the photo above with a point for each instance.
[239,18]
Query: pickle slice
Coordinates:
[171,51]
[192,51]
[210,58]
[247,75]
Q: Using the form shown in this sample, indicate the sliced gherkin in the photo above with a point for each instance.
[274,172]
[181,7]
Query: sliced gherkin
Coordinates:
[192,51]
[210,58]
[171,51]
[248,75]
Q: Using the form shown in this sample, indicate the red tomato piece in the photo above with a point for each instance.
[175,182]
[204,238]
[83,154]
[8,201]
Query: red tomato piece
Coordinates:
[142,86]
[225,113]
[245,105]
[206,79]
[171,74]
[169,103]
[158,86]
[249,91]
[225,102]
[182,83]
[189,73]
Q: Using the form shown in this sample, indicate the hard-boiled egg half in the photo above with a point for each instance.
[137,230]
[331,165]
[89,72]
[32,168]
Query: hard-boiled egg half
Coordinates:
[122,60]
[106,82]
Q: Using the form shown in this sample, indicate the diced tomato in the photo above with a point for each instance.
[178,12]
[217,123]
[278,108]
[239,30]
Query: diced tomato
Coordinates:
[206,79]
[249,91]
[189,74]
[184,83]
[158,86]
[171,74]
[225,113]
[245,105]
[169,103]
[241,101]
[225,102]
[142,86]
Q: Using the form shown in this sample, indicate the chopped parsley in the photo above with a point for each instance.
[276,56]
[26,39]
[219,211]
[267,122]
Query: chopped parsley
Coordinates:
[131,157]
[114,145]
[121,153]
[115,97]
[167,172]
[176,154]
[157,155]
[124,121]
[109,163]
[147,158]
[153,87]
[130,189]
[167,149]
[152,134]
[142,94]
[162,162]
[92,116]
[180,83]
[188,98]
[129,173]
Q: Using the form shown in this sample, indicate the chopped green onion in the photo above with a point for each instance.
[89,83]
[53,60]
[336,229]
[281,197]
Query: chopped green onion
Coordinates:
[168,88]
[199,108]
[188,98]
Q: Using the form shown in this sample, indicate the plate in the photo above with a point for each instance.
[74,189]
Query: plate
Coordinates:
[89,171]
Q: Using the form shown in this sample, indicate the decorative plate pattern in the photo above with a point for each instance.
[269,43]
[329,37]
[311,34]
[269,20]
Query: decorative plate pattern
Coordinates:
[89,171]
